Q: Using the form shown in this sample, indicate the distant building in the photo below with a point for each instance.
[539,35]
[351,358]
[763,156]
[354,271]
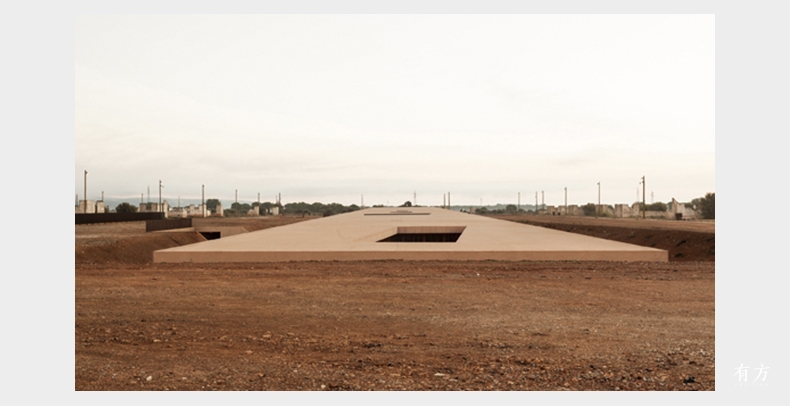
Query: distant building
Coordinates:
[86,207]
[188,211]
[90,207]
[624,210]
[681,210]
[154,208]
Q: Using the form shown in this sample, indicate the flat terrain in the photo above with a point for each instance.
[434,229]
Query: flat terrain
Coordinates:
[389,325]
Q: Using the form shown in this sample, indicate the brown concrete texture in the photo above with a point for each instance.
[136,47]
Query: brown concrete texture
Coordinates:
[356,236]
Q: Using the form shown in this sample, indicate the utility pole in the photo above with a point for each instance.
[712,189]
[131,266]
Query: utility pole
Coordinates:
[203,199]
[543,199]
[518,208]
[449,206]
[85,190]
[237,196]
[160,196]
[444,201]
[599,200]
[644,206]
[102,195]
[362,201]
[566,200]
[536,202]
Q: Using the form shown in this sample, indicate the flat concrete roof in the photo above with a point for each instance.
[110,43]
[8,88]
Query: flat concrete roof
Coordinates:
[356,236]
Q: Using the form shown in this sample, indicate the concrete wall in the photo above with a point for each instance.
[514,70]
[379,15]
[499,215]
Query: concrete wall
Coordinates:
[178,212]
[90,218]
[90,207]
[571,210]
[154,208]
[188,211]
[575,210]
[87,207]
[158,225]
[197,211]
[679,208]
[622,210]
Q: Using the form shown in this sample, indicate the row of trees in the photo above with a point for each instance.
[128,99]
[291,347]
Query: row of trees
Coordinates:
[705,206]
[241,209]
[125,208]
[509,209]
[211,204]
[317,209]
[299,208]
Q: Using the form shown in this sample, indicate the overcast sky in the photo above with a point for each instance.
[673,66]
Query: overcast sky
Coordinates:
[329,108]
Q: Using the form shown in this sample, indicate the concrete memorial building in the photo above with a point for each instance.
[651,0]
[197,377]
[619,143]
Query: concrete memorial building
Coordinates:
[408,234]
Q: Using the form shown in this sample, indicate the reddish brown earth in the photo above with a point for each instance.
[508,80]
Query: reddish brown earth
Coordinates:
[386,325]
[685,240]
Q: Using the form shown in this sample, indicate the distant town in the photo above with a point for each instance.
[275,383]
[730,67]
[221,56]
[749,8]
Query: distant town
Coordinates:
[701,208]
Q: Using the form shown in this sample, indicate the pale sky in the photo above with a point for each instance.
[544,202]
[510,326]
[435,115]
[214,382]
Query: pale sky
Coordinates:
[331,107]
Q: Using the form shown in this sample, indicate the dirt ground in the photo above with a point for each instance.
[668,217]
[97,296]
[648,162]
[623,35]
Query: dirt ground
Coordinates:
[685,240]
[391,325]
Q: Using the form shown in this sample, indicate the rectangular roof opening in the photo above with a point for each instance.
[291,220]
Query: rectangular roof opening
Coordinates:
[400,213]
[426,234]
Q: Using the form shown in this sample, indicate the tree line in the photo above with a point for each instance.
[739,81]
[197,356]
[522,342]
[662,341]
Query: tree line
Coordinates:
[705,206]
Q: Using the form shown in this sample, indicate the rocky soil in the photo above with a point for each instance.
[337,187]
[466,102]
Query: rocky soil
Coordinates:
[388,325]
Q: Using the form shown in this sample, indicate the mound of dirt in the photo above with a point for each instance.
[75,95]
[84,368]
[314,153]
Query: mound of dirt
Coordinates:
[128,243]
[134,250]
[682,245]
[249,223]
[124,244]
